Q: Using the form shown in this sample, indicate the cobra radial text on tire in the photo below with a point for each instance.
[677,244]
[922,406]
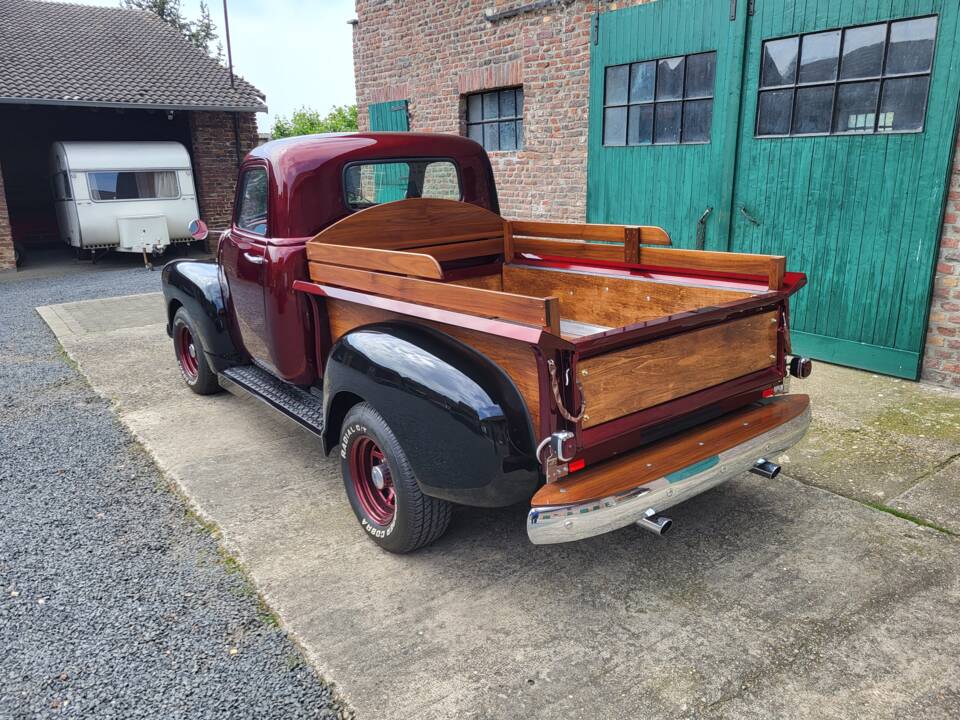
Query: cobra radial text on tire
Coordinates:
[191,359]
[381,486]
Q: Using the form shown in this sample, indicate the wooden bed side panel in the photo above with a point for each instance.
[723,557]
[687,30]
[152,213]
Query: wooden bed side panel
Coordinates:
[626,381]
[517,359]
[610,300]
[391,261]
[570,249]
[415,222]
[461,250]
[772,267]
[539,312]
[484,282]
[644,234]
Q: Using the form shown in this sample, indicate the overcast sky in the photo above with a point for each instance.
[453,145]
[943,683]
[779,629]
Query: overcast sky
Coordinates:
[298,52]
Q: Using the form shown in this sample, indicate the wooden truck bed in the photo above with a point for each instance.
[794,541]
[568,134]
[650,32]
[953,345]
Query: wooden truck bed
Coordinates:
[644,325]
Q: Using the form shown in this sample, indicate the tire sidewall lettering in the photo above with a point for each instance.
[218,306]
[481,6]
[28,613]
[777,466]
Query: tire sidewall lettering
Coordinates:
[346,439]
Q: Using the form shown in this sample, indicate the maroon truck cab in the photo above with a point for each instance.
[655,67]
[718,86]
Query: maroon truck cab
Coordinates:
[263,253]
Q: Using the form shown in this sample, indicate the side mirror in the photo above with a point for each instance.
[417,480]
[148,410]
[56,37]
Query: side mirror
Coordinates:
[198,229]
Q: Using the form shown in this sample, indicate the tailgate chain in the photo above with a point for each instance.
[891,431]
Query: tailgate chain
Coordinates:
[552,366]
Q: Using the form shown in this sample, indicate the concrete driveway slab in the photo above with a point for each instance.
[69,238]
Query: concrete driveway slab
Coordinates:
[768,599]
[874,437]
[936,498]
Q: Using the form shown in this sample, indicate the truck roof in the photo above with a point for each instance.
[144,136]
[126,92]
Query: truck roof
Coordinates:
[306,172]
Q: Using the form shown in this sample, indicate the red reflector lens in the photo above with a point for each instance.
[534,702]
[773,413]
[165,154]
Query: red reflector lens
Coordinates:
[578,464]
[769,392]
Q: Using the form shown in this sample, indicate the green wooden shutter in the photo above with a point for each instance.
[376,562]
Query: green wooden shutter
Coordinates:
[390,179]
[389,116]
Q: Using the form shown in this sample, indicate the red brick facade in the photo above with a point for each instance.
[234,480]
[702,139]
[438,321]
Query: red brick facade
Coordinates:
[6,237]
[941,361]
[432,53]
[213,136]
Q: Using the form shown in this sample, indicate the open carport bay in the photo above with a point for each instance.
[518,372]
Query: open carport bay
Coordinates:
[768,599]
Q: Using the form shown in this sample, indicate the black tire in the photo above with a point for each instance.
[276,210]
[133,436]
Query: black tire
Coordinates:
[192,361]
[417,519]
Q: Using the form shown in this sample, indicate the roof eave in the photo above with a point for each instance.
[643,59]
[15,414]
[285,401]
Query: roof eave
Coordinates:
[132,106]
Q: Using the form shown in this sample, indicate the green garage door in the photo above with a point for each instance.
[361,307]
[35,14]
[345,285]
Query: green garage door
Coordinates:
[665,87]
[843,144]
[845,148]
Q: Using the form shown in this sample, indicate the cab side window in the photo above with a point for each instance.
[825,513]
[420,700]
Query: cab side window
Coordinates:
[252,205]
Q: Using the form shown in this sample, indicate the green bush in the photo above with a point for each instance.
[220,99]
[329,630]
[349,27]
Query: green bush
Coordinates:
[306,121]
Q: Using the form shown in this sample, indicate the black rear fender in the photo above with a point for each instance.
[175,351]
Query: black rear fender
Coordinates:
[195,285]
[460,419]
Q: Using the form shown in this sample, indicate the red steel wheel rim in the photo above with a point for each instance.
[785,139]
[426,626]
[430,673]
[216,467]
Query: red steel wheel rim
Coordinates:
[371,480]
[187,351]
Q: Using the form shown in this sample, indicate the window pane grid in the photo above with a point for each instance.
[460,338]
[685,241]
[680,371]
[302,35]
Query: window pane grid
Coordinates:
[495,119]
[862,102]
[667,101]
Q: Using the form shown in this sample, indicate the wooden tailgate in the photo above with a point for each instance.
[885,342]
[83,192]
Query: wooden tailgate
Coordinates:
[636,378]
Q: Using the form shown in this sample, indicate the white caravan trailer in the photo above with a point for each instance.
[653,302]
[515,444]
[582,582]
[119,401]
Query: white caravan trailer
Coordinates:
[127,196]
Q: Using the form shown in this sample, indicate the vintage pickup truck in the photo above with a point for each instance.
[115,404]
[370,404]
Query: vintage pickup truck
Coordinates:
[368,289]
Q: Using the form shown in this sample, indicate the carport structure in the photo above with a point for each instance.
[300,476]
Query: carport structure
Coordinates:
[75,72]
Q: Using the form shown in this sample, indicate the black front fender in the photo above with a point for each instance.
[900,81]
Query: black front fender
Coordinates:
[460,419]
[195,285]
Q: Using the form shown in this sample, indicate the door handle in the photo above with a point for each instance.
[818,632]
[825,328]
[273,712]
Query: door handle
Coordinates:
[750,218]
[702,227]
[254,259]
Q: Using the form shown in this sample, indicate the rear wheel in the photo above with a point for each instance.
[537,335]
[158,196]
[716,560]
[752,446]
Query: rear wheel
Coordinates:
[190,356]
[382,488]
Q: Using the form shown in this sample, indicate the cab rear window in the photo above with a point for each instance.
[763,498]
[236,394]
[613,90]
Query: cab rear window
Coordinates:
[367,184]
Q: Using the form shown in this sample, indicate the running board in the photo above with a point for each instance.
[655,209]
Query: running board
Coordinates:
[295,404]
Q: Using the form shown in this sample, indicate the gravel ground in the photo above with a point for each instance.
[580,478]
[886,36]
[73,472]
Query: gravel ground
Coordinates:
[114,601]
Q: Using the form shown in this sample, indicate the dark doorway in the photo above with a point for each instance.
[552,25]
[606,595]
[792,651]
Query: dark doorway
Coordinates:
[26,134]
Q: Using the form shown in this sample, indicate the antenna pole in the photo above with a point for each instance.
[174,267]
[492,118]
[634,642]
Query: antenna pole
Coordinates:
[226,29]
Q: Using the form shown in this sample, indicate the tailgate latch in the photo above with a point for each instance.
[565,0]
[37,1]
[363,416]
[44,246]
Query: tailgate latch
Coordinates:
[555,452]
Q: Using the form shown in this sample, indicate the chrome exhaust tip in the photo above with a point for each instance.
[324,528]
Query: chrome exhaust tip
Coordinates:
[765,468]
[657,524]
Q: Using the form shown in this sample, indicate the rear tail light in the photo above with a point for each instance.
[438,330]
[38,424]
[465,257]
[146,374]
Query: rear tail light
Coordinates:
[801,367]
[578,464]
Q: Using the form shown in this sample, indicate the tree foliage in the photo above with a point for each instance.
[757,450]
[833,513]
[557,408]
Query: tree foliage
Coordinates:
[306,121]
[202,32]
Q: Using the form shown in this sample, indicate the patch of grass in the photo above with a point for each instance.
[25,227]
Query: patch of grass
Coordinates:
[63,355]
[931,416]
[207,527]
[246,588]
[908,517]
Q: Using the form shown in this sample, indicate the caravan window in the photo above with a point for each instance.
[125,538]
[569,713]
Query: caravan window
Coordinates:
[133,185]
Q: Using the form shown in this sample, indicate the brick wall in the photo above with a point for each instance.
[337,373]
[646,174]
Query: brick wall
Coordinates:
[431,54]
[215,161]
[6,237]
[941,361]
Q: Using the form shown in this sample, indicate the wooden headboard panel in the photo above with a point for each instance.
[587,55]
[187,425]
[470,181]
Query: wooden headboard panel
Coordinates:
[413,223]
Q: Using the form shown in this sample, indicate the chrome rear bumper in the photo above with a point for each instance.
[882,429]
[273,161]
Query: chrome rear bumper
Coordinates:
[564,523]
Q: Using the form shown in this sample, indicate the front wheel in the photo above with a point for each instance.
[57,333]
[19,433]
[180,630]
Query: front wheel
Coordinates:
[382,488]
[198,375]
